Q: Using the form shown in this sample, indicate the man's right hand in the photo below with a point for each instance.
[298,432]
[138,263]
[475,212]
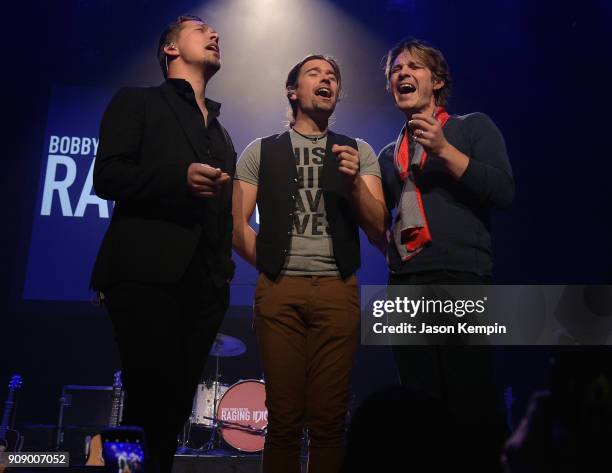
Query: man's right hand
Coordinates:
[204,180]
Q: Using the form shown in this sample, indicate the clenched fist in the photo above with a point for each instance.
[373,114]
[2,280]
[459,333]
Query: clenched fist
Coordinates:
[348,160]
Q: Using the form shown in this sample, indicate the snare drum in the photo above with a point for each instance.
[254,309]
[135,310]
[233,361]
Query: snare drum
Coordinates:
[204,403]
[243,417]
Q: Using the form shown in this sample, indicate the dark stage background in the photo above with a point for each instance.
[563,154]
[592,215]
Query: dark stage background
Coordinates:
[541,70]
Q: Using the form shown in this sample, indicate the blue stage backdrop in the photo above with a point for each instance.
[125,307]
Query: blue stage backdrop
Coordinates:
[69,219]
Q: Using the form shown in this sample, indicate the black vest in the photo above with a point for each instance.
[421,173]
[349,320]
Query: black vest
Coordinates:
[276,193]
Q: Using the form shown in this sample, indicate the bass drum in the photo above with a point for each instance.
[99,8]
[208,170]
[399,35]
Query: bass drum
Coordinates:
[243,417]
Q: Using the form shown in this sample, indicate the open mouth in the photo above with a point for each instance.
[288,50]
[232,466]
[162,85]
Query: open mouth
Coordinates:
[406,88]
[213,47]
[324,92]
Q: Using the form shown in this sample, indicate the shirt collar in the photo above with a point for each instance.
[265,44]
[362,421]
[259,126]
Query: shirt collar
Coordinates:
[184,89]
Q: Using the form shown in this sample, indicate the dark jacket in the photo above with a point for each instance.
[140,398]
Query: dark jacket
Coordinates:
[458,212]
[148,139]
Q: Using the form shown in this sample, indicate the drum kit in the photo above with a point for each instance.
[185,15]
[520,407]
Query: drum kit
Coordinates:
[235,413]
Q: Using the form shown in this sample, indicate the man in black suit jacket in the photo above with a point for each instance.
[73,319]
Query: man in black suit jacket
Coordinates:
[165,263]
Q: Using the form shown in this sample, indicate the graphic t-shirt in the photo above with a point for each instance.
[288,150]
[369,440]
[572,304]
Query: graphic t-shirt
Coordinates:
[310,250]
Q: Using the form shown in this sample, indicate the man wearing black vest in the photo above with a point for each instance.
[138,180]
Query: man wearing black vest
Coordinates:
[443,176]
[313,189]
[165,263]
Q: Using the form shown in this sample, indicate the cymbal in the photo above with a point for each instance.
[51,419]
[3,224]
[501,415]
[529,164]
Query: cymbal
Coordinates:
[224,345]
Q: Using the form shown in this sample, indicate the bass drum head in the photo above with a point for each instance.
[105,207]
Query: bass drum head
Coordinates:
[243,415]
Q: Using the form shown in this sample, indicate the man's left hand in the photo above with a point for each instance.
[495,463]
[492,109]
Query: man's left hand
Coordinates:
[428,132]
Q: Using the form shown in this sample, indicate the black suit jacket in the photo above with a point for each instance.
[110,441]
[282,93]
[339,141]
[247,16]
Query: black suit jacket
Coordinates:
[148,139]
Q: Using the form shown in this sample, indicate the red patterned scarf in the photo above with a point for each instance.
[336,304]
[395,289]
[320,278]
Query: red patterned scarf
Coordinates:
[411,230]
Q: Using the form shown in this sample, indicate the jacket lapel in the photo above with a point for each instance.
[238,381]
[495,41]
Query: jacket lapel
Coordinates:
[288,161]
[181,111]
[331,177]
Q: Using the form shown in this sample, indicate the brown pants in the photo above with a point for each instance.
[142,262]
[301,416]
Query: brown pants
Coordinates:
[307,329]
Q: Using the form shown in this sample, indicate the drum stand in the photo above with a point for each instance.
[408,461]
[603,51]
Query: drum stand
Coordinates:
[185,437]
[183,448]
[223,345]
[210,445]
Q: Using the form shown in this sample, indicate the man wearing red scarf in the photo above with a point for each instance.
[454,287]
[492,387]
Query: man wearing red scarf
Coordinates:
[441,178]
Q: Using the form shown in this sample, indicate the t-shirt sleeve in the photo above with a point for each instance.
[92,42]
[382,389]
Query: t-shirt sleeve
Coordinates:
[247,168]
[368,163]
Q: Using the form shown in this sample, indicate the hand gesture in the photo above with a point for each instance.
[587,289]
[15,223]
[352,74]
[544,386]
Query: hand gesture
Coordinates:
[204,180]
[428,132]
[348,160]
